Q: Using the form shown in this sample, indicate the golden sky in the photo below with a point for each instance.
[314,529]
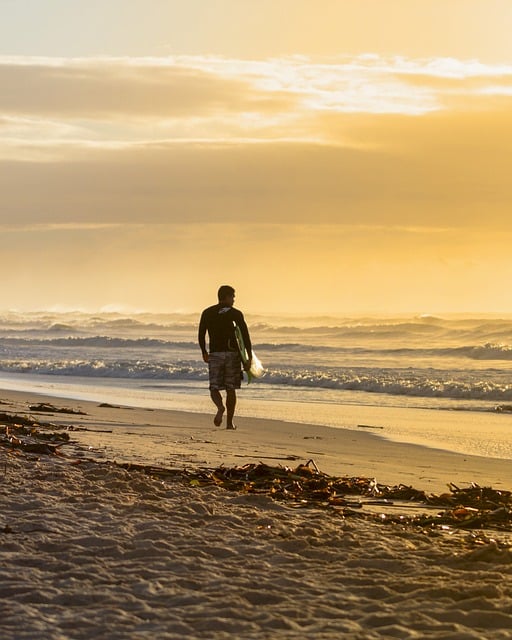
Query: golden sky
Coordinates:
[321,156]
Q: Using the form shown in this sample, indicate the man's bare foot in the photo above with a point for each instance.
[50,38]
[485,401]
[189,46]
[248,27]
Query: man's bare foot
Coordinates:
[231,426]
[217,421]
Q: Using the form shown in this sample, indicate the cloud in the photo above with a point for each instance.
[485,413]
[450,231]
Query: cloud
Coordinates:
[109,88]
[52,228]
[200,87]
[441,169]
[362,140]
[50,107]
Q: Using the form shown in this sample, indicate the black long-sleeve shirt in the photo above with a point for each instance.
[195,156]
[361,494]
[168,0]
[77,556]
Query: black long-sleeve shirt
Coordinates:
[218,322]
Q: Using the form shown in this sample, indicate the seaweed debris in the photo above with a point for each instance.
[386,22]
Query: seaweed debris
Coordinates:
[24,434]
[473,508]
[44,407]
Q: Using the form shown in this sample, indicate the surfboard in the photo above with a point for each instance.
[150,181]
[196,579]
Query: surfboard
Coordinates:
[256,369]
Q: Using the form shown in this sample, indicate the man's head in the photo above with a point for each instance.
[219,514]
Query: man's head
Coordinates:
[226,295]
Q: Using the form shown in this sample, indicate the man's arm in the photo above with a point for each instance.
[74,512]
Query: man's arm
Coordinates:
[201,336]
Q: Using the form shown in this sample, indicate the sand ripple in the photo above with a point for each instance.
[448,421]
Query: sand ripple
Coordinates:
[93,551]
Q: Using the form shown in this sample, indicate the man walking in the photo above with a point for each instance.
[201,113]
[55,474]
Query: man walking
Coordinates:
[222,355]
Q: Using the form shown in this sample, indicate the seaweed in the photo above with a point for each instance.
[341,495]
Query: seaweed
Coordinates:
[473,508]
[28,435]
[44,407]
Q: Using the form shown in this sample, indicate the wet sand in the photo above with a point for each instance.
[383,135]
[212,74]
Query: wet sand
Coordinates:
[177,439]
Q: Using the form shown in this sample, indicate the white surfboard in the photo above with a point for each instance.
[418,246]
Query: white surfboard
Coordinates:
[256,369]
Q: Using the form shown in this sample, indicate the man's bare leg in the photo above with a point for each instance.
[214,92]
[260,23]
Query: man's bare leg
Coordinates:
[217,400]
[230,406]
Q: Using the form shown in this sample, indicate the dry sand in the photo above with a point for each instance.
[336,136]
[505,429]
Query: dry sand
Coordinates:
[93,551]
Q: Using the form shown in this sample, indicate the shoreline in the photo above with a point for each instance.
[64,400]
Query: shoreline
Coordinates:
[454,429]
[179,439]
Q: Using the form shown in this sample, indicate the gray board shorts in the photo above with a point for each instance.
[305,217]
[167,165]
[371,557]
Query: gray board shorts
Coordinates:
[225,370]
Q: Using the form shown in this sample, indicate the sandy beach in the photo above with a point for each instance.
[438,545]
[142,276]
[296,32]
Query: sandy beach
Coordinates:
[92,550]
[321,188]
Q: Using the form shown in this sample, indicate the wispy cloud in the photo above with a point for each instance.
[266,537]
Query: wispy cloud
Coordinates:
[62,227]
[205,97]
[361,140]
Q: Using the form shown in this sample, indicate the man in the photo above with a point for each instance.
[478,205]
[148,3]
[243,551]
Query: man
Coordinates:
[223,356]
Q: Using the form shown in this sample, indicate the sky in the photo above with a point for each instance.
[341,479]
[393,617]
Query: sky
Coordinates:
[322,156]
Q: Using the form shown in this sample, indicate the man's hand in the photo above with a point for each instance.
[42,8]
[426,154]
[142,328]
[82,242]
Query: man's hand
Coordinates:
[205,356]
[247,365]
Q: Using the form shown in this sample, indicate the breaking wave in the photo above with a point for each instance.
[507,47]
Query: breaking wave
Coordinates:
[416,383]
[429,357]
[479,352]
[103,342]
[423,384]
[137,369]
[488,351]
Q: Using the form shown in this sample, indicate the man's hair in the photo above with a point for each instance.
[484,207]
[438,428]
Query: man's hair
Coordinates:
[225,291]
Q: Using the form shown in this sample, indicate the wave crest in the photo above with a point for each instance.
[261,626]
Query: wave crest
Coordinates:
[431,384]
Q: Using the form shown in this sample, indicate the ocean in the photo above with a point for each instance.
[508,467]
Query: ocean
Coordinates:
[438,381]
